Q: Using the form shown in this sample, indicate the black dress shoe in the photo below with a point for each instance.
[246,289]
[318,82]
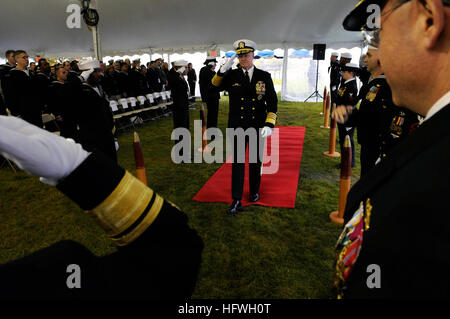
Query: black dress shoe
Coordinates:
[235,207]
[254,198]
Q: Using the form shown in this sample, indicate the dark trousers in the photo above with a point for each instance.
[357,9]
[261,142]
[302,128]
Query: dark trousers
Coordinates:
[192,89]
[213,113]
[369,155]
[342,133]
[238,170]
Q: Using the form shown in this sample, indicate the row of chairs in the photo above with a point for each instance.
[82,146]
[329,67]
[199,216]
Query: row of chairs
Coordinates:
[132,111]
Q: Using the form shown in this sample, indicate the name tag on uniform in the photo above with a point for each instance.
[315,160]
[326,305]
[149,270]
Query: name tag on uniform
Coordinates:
[260,88]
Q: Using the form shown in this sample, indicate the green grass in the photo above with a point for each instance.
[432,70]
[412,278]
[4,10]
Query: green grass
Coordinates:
[262,253]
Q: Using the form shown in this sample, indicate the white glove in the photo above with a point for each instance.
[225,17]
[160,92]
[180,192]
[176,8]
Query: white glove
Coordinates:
[116,143]
[266,132]
[224,68]
[39,152]
[85,74]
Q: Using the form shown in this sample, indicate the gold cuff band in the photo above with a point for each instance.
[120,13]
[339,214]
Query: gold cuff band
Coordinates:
[216,80]
[124,206]
[271,118]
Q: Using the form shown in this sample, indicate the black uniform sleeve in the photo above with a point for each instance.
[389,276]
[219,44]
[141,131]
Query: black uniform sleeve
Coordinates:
[271,102]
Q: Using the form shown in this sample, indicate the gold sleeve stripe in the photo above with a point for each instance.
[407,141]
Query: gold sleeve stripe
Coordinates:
[149,218]
[216,80]
[124,206]
[271,118]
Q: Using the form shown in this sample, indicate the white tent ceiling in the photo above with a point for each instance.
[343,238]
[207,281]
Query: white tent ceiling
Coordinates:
[139,26]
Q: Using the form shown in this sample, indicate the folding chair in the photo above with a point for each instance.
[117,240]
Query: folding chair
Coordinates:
[136,111]
[117,115]
[127,113]
[6,162]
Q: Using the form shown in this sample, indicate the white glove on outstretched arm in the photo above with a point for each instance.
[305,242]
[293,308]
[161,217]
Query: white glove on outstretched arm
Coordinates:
[37,151]
[224,68]
[266,132]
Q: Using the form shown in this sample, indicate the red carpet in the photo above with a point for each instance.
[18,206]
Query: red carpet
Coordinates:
[277,190]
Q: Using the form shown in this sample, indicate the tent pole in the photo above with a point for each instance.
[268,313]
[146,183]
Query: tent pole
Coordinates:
[96,35]
[284,77]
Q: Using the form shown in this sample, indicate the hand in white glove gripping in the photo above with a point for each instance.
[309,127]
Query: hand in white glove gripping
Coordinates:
[39,152]
[266,132]
[224,68]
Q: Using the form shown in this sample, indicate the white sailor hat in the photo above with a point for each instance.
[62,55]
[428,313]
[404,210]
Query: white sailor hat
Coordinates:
[346,55]
[352,67]
[181,63]
[244,46]
[336,54]
[88,64]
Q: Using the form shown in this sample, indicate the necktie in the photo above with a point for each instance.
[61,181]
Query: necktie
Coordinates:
[247,78]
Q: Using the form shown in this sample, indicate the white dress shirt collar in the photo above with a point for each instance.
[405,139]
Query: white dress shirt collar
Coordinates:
[440,104]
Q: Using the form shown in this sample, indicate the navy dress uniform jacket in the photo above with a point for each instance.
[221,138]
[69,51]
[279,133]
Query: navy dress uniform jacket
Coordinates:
[250,104]
[21,97]
[406,222]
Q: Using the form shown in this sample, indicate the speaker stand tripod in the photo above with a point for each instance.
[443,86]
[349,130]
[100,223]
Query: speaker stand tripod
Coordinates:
[316,93]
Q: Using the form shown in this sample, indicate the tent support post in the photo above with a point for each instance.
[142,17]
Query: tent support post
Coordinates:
[97,47]
[96,34]
[284,77]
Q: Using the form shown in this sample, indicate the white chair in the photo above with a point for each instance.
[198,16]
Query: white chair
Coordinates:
[150,98]
[141,100]
[132,101]
[113,106]
[163,95]
[124,104]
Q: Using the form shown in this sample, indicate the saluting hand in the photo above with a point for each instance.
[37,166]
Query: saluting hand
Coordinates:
[38,151]
[224,68]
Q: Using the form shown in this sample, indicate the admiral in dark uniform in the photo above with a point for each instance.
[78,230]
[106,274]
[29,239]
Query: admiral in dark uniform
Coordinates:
[158,255]
[348,97]
[210,94]
[253,104]
[395,243]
